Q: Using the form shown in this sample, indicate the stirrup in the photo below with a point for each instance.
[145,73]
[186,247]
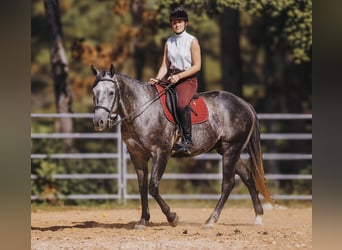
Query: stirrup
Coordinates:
[182,147]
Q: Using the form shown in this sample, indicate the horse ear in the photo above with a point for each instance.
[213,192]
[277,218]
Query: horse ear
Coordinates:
[94,70]
[111,70]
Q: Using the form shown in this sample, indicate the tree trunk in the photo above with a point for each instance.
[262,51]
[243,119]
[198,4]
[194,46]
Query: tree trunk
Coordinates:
[137,8]
[59,65]
[230,51]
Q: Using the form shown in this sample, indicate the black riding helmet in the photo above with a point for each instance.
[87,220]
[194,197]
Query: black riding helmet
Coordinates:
[179,13]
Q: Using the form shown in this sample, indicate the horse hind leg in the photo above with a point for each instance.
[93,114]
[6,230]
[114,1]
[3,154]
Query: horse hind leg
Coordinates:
[229,159]
[246,177]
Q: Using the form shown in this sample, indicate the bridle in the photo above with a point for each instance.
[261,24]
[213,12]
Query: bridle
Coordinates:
[133,115]
[103,107]
[109,111]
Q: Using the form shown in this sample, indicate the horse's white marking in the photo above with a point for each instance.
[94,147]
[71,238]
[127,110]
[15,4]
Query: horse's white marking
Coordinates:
[268,206]
[258,220]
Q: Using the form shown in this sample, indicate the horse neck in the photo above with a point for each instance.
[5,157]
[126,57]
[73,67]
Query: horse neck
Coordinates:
[133,94]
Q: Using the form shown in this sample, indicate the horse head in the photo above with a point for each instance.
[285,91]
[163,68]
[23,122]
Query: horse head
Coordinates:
[105,96]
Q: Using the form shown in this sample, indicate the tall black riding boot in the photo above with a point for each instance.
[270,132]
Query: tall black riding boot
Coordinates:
[185,145]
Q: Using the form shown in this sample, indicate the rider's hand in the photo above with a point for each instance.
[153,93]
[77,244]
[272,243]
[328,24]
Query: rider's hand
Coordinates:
[174,78]
[153,81]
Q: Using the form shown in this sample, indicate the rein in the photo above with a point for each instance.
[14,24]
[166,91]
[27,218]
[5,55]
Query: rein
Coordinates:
[133,115]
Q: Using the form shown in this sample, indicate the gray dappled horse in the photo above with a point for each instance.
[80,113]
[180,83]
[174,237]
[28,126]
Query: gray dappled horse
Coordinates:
[232,126]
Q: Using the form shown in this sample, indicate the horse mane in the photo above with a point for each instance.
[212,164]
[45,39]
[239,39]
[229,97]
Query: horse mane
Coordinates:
[127,78]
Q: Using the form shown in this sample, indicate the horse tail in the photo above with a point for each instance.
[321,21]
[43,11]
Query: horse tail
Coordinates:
[257,168]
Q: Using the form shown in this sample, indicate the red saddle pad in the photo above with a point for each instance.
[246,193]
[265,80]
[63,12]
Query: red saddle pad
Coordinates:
[199,107]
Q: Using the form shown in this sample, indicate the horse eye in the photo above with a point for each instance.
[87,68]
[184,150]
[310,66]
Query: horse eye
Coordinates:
[111,93]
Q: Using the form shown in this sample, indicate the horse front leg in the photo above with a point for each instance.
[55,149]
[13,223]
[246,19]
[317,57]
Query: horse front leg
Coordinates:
[142,173]
[247,179]
[158,168]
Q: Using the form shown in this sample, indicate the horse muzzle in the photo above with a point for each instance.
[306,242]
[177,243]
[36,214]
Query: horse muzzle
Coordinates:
[100,120]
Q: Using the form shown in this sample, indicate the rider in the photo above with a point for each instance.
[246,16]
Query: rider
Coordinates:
[181,61]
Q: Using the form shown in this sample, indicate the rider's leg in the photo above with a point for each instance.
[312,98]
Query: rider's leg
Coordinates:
[185,121]
[185,89]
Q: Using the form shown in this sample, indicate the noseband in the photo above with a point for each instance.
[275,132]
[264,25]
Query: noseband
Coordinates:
[103,107]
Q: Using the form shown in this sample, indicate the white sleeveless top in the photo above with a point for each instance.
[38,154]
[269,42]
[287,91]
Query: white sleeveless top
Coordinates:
[178,51]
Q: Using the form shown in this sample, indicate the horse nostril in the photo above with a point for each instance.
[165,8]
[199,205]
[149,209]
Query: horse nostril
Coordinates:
[101,122]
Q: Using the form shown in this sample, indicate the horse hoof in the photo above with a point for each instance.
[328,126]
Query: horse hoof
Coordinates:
[258,220]
[208,226]
[174,220]
[140,225]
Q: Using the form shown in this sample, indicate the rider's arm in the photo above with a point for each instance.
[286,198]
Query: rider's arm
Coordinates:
[163,68]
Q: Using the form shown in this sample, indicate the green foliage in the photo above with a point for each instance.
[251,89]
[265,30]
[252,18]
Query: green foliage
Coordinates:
[293,21]
[90,19]
[289,20]
[45,186]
